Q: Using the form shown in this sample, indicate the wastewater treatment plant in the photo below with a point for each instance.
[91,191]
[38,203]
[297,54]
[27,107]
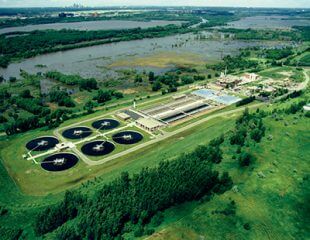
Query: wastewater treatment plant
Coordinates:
[95,141]
[152,122]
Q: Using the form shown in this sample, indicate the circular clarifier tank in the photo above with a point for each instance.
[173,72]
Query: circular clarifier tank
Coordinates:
[127,137]
[98,148]
[105,124]
[77,132]
[59,162]
[42,143]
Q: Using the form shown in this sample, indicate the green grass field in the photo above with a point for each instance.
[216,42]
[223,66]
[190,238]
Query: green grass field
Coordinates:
[275,206]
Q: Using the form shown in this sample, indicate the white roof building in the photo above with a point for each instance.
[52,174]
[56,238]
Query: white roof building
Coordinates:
[149,124]
[123,116]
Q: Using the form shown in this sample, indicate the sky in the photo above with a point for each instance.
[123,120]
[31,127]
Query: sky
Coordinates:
[96,3]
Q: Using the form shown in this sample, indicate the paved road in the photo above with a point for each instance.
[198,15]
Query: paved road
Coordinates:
[167,135]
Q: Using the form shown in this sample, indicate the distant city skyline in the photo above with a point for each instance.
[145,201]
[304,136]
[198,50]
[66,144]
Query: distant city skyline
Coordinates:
[211,3]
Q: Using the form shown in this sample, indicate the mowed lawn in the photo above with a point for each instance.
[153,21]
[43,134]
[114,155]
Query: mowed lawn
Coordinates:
[275,207]
[33,180]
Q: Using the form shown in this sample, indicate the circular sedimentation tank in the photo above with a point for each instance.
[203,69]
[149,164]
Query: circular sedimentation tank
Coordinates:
[127,137]
[98,148]
[105,124]
[59,162]
[77,132]
[42,143]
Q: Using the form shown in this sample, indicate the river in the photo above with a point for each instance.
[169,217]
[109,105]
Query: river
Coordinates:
[269,22]
[91,25]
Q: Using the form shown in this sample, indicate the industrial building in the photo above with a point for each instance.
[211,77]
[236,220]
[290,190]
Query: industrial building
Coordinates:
[149,124]
[123,116]
[216,96]
[182,107]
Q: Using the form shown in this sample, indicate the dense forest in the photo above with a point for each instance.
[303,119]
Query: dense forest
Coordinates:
[170,81]
[299,33]
[83,83]
[277,54]
[234,63]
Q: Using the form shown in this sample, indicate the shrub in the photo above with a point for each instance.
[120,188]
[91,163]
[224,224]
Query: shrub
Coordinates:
[245,159]
[103,96]
[247,226]
[26,94]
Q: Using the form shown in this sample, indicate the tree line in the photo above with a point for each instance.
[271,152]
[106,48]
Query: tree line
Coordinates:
[300,33]
[143,16]
[83,83]
[61,97]
[170,81]
[234,63]
[249,128]
[278,53]
[249,125]
[105,95]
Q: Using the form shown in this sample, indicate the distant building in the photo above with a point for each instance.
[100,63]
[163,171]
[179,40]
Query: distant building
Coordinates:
[249,77]
[228,81]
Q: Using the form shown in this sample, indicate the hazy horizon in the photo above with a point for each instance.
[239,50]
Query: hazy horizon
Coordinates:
[199,3]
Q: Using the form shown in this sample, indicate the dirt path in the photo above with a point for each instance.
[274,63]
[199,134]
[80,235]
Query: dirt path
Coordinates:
[305,83]
[300,87]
